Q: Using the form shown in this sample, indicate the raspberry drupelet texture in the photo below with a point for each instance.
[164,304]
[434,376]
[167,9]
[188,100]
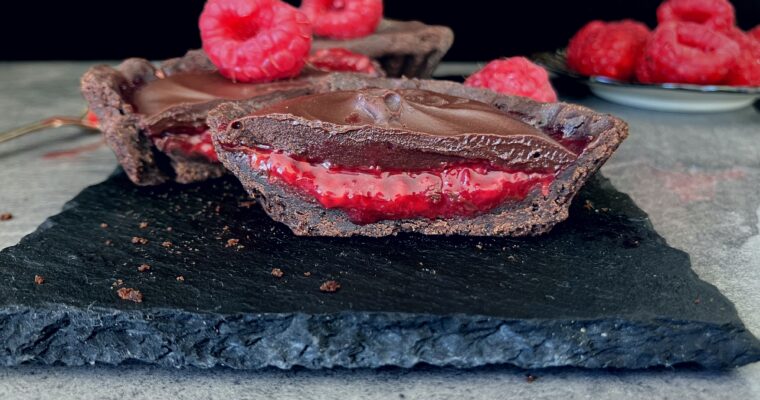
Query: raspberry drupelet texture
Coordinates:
[343,19]
[686,52]
[255,40]
[746,72]
[342,60]
[516,76]
[608,49]
[717,14]
[755,33]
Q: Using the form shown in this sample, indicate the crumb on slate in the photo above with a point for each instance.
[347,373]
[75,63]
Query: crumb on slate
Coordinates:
[143,225]
[169,229]
[103,225]
[139,240]
[180,278]
[307,274]
[531,378]
[108,242]
[329,287]
[232,242]
[143,268]
[277,273]
[117,282]
[39,279]
[6,216]
[588,205]
[167,244]
[246,204]
[697,300]
[130,295]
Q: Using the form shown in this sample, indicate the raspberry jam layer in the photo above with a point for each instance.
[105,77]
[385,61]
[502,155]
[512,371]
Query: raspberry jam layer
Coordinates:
[371,194]
[189,143]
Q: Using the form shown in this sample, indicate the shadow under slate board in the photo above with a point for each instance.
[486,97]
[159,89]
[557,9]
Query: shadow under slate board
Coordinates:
[603,290]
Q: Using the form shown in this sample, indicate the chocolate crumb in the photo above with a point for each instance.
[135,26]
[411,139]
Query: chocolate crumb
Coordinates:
[329,287]
[39,279]
[104,225]
[588,205]
[130,294]
[277,273]
[117,282]
[307,274]
[530,378]
[143,267]
[232,242]
[246,204]
[167,244]
[143,225]
[139,240]
[217,209]
[180,278]
[226,228]
[6,217]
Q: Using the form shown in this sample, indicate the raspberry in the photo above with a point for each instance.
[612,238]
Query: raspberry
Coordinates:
[755,33]
[343,19]
[339,59]
[516,76]
[255,40]
[746,72]
[717,14]
[686,52]
[607,48]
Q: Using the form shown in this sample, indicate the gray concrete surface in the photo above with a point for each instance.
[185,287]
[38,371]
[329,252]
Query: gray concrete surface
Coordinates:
[698,176]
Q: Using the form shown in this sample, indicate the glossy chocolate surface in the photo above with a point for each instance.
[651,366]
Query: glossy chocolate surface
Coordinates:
[200,87]
[406,128]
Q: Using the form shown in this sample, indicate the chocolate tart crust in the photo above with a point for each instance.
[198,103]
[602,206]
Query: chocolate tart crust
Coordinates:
[535,215]
[403,48]
[109,93]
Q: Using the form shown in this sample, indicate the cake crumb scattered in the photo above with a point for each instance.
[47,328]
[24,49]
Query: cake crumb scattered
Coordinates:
[246,204]
[143,268]
[6,216]
[39,279]
[307,274]
[588,205]
[117,282]
[169,229]
[108,242]
[277,273]
[180,278]
[697,301]
[167,244]
[531,378]
[139,240]
[329,287]
[103,225]
[143,225]
[232,242]
[130,295]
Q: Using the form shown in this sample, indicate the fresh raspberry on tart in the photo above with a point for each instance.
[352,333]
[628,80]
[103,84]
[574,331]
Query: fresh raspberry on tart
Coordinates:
[343,19]
[255,40]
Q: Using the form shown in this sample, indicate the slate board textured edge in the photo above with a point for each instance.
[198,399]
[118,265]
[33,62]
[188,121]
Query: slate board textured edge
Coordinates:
[74,336]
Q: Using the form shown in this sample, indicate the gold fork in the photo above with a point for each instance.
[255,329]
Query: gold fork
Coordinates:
[87,121]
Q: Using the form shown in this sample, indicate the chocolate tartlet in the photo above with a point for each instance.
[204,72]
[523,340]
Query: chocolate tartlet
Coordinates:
[376,157]
[403,48]
[154,119]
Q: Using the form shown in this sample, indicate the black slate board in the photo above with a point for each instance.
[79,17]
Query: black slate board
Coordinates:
[603,290]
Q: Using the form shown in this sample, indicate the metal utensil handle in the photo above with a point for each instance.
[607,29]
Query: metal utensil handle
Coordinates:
[51,122]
